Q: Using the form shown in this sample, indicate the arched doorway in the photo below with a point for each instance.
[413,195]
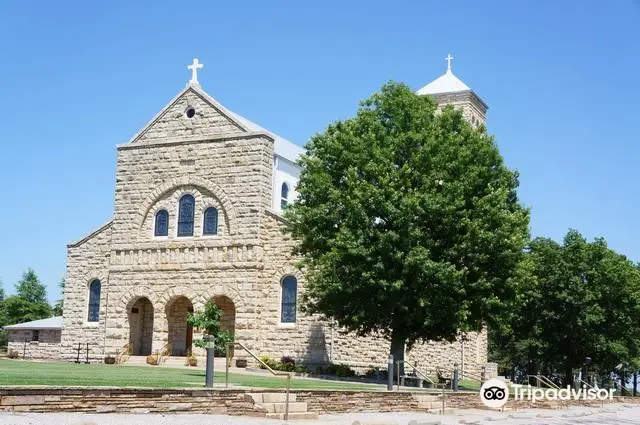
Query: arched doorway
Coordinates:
[140,316]
[180,334]
[228,319]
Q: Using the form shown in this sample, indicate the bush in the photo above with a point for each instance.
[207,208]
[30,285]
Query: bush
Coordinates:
[152,360]
[269,362]
[13,354]
[340,370]
[287,360]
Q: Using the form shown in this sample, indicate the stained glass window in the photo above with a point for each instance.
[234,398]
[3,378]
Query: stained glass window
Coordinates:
[289,299]
[185,215]
[162,223]
[284,195]
[94,301]
[210,225]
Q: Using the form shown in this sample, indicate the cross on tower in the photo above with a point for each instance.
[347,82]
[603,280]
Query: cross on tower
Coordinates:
[448,59]
[194,67]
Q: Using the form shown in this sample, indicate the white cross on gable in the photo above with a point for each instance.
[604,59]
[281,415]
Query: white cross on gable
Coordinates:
[448,59]
[194,67]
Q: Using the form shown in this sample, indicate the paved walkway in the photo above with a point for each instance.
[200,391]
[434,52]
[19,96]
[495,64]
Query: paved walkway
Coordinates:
[613,414]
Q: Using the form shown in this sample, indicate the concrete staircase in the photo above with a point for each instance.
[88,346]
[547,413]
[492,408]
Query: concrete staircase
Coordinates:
[273,406]
[432,404]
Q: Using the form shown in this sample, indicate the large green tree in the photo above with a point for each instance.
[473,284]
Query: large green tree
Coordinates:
[29,303]
[576,300]
[408,221]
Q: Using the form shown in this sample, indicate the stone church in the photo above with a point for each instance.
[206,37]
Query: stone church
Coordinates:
[197,218]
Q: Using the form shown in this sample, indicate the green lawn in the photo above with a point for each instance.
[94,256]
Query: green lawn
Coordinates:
[70,374]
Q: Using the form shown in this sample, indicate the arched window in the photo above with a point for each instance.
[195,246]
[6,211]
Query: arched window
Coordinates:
[289,299]
[94,301]
[210,224]
[185,215]
[284,195]
[162,223]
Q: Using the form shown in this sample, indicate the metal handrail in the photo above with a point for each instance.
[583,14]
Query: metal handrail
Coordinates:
[585,383]
[266,366]
[415,369]
[124,354]
[545,381]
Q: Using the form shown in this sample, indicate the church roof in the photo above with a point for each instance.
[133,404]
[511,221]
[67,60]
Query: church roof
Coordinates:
[446,83]
[282,147]
[49,323]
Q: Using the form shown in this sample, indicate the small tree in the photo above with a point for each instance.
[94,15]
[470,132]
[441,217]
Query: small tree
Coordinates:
[209,321]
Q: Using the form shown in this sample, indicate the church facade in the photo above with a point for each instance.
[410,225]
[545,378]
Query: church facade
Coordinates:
[197,218]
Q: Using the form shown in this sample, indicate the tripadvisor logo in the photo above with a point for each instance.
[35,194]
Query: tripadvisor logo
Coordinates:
[495,393]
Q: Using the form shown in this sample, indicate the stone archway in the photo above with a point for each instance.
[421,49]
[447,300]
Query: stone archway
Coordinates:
[180,336]
[140,316]
[228,319]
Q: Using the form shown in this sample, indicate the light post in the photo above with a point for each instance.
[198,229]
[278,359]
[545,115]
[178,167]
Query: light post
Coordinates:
[390,373]
[210,347]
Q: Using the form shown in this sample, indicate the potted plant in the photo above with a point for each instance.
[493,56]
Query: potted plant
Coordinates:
[110,360]
[192,361]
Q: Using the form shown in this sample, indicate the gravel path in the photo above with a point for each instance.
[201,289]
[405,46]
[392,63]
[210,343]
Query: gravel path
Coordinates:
[609,415]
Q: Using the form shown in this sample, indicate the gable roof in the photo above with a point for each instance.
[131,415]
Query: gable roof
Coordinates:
[282,147]
[49,323]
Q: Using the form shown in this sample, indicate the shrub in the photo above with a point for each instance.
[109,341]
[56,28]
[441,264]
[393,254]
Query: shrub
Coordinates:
[269,362]
[152,360]
[341,370]
[13,354]
[344,371]
[300,369]
[287,360]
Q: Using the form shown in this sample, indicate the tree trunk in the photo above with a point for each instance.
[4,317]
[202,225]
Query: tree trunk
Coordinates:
[397,351]
[635,382]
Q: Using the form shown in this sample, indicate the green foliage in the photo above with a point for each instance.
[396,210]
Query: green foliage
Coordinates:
[573,301]
[341,370]
[408,221]
[30,289]
[209,321]
[286,364]
[59,305]
[29,303]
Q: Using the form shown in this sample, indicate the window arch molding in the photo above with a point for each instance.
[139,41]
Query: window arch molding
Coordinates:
[227,207]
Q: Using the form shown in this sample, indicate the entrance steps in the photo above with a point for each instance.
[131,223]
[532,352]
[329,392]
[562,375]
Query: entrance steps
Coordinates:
[273,406]
[432,404]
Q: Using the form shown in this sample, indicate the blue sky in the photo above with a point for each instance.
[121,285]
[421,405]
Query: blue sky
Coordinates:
[77,78]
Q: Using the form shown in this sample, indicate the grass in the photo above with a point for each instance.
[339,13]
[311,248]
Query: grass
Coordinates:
[14,372]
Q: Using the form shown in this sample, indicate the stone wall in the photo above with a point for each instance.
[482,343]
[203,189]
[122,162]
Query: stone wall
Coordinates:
[46,347]
[87,260]
[230,402]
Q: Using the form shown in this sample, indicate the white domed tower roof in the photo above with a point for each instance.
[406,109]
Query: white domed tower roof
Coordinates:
[450,90]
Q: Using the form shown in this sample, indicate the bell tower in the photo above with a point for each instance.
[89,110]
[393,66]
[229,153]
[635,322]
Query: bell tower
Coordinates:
[450,90]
